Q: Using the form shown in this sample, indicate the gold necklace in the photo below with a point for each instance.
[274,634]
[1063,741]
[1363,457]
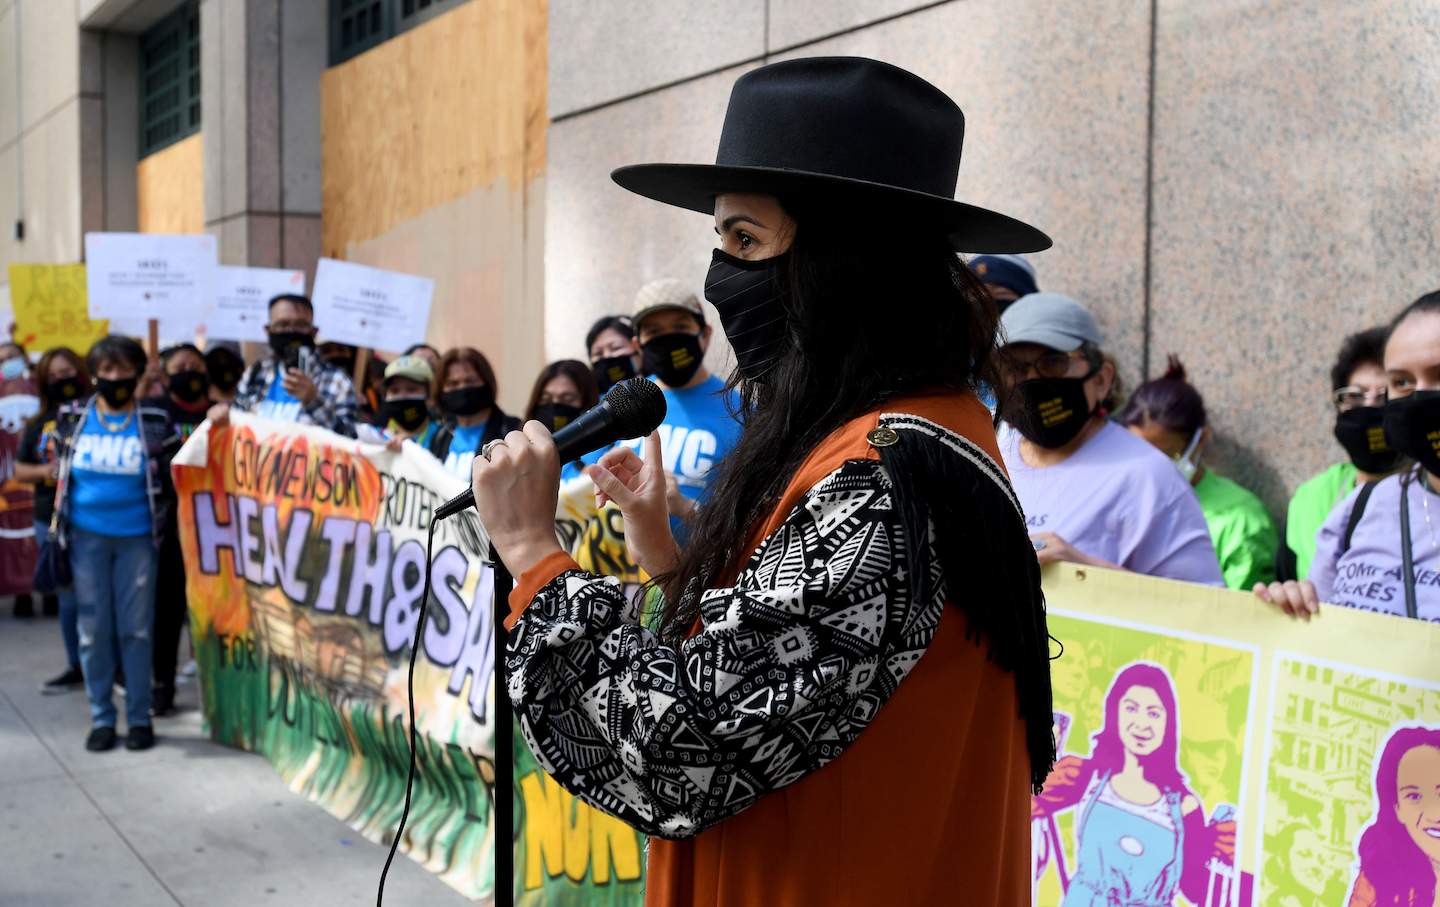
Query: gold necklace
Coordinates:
[114,428]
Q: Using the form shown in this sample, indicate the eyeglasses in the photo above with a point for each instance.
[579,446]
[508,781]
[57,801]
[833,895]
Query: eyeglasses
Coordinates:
[1347,398]
[286,327]
[1048,365]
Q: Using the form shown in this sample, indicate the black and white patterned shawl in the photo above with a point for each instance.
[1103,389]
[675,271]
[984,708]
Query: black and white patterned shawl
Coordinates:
[795,659]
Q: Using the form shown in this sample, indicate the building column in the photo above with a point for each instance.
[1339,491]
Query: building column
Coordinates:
[260,65]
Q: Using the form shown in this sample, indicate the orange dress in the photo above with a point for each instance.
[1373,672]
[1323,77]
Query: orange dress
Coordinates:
[930,803]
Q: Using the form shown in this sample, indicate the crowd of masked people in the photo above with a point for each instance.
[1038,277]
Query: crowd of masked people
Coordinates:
[1104,477]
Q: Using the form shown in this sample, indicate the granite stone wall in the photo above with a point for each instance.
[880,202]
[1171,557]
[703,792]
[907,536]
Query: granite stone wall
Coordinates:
[1235,181]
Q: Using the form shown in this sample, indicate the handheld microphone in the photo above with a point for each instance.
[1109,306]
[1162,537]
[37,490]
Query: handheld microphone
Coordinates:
[630,409]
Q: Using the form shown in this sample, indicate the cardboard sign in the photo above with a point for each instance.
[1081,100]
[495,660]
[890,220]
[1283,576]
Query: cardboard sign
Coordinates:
[368,307]
[51,308]
[139,276]
[241,306]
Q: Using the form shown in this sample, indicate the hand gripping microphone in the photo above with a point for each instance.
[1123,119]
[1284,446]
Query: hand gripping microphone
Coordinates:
[630,409]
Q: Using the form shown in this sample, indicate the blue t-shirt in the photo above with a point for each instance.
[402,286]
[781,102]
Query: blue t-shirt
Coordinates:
[107,479]
[278,403]
[697,433]
[462,450]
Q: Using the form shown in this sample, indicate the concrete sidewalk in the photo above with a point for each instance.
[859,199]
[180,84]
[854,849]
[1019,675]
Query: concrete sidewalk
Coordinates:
[189,822]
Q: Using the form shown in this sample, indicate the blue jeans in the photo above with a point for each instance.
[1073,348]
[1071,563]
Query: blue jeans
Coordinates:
[115,597]
[69,630]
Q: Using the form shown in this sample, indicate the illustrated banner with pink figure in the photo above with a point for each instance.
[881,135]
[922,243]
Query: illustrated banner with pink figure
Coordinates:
[1215,752]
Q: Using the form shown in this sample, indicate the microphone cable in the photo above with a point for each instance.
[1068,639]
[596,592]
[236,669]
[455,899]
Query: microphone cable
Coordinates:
[410,687]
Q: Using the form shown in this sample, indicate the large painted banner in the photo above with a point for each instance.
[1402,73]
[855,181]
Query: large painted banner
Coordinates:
[305,559]
[1215,752]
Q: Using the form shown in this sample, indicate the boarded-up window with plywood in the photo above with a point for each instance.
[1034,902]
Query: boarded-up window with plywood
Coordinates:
[358,25]
[170,79]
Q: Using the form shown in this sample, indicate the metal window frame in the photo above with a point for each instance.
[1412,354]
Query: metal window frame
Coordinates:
[396,18]
[179,88]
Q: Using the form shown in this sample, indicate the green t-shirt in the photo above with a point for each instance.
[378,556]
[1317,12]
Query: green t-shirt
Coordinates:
[1312,503]
[1242,530]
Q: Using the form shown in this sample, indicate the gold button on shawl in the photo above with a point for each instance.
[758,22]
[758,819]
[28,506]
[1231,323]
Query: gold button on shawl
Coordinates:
[882,437]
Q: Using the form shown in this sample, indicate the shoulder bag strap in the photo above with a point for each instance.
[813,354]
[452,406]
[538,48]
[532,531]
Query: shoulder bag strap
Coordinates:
[1407,557]
[1357,512]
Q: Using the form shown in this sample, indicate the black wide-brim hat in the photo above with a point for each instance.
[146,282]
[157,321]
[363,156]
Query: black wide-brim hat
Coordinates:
[846,128]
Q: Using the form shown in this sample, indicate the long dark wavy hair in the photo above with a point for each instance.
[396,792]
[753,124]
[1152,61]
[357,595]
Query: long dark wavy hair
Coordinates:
[879,305]
[1389,859]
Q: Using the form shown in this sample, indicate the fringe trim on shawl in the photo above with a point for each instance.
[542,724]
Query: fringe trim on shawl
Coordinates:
[984,553]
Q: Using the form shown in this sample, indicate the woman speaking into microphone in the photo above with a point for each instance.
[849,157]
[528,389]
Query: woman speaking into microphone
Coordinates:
[846,698]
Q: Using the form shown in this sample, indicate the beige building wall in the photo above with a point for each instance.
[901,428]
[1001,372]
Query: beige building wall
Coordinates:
[433,149]
[40,153]
[1281,196]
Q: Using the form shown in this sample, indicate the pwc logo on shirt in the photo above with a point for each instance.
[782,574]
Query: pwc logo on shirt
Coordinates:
[689,453]
[113,454]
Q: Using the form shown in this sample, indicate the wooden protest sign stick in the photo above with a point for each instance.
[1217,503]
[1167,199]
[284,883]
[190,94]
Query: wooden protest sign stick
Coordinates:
[362,364]
[154,337]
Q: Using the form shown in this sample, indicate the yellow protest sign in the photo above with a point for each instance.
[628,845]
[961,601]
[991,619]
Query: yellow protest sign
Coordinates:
[51,308]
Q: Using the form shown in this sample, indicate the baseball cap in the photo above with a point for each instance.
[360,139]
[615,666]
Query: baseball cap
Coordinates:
[665,293]
[412,367]
[1011,271]
[1049,319]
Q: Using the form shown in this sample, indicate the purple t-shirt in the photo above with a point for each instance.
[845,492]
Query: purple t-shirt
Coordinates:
[1121,500]
[1368,576]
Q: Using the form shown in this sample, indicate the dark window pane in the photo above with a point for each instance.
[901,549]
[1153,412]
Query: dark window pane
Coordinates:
[375,19]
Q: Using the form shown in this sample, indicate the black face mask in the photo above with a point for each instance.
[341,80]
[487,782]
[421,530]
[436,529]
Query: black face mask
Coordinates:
[1361,431]
[556,416]
[673,358]
[1053,409]
[467,401]
[62,390]
[751,299]
[407,412]
[286,345]
[1412,426]
[610,372]
[343,363]
[189,386]
[118,394]
[224,375]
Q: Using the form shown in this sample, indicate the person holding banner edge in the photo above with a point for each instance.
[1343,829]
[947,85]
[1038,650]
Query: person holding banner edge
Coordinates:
[187,398]
[1378,550]
[858,536]
[294,384]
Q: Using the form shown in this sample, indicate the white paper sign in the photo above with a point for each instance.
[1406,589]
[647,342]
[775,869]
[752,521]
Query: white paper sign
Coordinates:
[242,301]
[139,276]
[365,306]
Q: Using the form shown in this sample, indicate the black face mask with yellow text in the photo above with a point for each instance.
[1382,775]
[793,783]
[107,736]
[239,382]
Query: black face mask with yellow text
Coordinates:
[1412,426]
[1051,411]
[1361,431]
[409,413]
[673,358]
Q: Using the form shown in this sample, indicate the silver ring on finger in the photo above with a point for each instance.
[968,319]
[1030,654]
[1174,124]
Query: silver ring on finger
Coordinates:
[485,451]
